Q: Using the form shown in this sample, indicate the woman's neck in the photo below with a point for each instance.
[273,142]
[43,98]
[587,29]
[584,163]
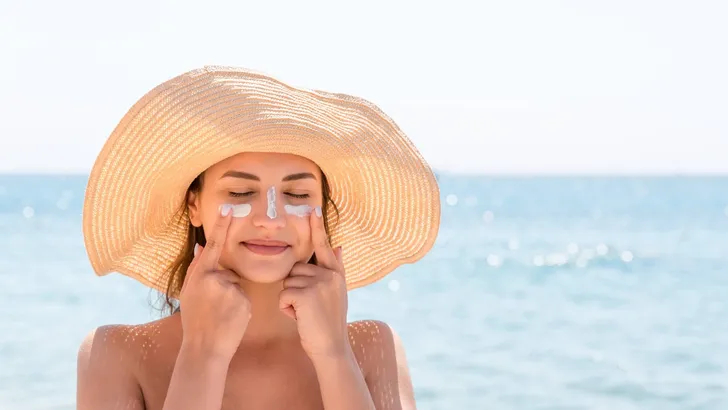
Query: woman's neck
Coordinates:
[268,325]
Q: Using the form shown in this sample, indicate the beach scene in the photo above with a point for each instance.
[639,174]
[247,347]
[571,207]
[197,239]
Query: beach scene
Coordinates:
[579,149]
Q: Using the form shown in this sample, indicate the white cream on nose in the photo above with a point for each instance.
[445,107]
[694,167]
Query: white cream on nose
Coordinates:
[272,213]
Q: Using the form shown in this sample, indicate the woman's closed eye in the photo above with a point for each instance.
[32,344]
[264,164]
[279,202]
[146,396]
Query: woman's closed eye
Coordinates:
[250,193]
[240,194]
[299,196]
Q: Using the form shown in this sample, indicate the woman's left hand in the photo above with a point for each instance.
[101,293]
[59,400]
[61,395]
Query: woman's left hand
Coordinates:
[316,297]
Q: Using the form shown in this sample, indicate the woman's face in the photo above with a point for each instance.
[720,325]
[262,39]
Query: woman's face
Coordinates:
[263,246]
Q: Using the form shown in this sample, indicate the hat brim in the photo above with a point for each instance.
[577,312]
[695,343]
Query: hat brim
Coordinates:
[387,195]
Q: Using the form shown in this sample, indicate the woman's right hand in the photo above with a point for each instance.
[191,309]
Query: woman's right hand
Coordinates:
[214,309]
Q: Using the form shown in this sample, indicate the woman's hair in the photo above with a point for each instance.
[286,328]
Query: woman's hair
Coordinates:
[177,270]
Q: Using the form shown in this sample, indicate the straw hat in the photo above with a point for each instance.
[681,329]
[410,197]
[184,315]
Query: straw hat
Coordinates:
[387,195]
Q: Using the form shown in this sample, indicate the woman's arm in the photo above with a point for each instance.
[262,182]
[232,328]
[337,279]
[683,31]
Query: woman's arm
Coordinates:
[198,380]
[382,358]
[104,378]
[372,375]
[342,382]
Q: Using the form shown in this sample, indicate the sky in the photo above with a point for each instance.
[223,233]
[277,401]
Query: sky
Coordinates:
[480,86]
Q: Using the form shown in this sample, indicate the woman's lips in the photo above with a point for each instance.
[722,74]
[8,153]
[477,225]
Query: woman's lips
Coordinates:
[266,247]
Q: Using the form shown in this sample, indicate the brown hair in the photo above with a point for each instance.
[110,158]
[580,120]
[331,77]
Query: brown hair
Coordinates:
[177,270]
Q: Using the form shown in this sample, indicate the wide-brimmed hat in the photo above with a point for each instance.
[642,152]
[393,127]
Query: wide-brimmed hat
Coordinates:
[387,195]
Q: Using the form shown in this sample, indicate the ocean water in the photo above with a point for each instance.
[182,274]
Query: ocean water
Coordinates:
[541,293]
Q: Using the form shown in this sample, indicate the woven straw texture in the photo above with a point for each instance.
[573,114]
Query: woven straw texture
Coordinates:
[387,195]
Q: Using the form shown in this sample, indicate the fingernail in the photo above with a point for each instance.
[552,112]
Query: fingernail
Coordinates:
[318,211]
[196,251]
[225,209]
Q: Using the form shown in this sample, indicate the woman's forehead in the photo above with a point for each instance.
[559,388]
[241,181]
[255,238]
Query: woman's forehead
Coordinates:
[264,165]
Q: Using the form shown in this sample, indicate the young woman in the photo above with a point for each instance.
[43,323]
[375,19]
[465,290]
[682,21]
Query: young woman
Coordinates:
[253,206]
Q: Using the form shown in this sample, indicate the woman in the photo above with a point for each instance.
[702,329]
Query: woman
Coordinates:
[253,206]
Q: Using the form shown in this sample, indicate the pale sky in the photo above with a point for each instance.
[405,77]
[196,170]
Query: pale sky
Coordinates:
[621,86]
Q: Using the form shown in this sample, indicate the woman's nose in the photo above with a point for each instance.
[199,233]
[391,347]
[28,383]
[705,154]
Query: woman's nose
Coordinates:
[269,214]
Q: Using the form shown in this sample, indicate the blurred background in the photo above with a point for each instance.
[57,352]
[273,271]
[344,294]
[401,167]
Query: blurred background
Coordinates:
[580,149]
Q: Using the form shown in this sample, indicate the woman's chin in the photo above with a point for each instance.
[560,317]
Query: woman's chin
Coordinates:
[265,274]
[263,280]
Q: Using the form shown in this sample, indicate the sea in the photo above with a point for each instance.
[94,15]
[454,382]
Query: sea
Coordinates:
[543,292]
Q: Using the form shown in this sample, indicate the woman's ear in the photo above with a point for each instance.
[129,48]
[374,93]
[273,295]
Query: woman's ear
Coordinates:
[193,207]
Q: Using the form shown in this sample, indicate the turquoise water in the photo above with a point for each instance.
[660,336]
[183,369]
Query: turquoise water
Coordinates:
[541,293]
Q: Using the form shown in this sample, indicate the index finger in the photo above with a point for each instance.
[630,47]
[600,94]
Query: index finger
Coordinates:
[321,246]
[215,241]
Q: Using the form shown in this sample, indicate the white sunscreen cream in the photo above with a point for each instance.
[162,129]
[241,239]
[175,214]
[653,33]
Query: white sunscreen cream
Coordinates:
[272,214]
[241,210]
[300,211]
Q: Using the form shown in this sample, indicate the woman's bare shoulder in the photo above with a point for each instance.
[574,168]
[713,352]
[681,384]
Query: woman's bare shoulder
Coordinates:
[381,357]
[108,363]
[373,342]
[107,343]
[120,341]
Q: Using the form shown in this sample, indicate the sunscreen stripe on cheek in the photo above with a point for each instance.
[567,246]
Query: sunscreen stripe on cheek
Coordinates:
[300,211]
[240,210]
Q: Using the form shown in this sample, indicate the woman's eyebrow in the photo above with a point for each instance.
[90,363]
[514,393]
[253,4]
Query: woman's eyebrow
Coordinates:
[247,175]
[298,176]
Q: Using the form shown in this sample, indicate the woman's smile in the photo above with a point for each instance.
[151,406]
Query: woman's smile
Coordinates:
[266,247]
